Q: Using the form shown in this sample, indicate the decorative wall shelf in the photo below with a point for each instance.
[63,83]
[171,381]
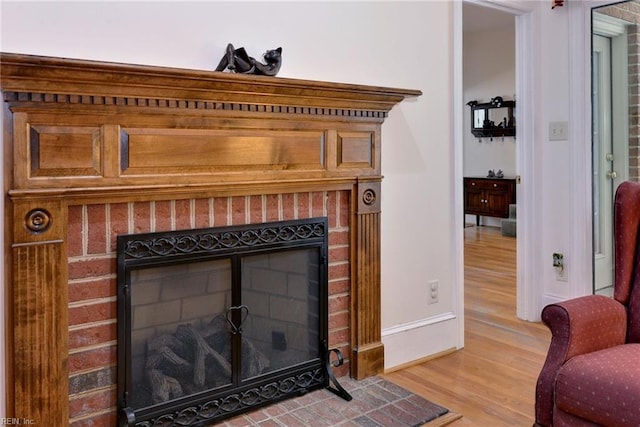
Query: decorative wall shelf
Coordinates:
[493,119]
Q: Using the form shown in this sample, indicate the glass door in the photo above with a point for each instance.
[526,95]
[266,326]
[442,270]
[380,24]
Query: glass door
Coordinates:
[610,131]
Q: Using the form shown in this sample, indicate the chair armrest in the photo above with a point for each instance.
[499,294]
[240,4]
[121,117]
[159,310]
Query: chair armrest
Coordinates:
[578,326]
[585,324]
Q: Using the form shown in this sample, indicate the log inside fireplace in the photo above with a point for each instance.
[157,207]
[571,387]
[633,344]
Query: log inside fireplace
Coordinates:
[214,322]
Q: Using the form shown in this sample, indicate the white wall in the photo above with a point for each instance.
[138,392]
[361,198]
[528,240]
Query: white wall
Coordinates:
[404,44]
[489,59]
[564,205]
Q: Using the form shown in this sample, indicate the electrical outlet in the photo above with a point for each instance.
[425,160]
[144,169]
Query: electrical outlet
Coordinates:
[433,287]
[559,265]
[558,260]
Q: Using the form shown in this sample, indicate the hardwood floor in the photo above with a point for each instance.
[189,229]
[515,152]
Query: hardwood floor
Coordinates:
[491,382]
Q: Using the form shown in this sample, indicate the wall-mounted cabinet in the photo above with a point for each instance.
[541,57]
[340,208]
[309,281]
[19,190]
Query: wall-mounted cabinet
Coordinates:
[493,119]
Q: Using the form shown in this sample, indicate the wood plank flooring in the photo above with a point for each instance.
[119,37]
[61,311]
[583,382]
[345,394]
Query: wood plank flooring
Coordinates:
[491,382]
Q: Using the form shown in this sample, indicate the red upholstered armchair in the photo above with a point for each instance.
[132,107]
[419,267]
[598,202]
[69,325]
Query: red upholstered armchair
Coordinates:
[591,376]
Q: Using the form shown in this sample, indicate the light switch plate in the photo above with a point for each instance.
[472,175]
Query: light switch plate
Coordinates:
[558,131]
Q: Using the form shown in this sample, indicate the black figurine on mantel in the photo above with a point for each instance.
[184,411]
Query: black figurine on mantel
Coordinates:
[238,61]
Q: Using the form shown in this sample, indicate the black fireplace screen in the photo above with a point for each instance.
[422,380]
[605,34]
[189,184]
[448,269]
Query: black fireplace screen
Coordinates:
[214,322]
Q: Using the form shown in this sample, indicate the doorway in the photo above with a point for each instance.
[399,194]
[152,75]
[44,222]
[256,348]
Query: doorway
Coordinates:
[611,52]
[489,159]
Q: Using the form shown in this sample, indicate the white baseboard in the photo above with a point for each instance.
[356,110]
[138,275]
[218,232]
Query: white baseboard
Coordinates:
[416,340]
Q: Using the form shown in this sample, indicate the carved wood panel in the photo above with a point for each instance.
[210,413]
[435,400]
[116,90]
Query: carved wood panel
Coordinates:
[357,150]
[161,151]
[100,149]
[38,304]
[368,351]
[39,333]
[60,151]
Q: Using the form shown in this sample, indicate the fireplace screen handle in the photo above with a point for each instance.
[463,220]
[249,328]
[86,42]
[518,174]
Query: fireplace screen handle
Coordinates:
[244,313]
[336,388]
[127,417]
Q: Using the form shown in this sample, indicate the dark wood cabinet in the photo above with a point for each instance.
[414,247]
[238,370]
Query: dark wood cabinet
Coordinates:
[488,197]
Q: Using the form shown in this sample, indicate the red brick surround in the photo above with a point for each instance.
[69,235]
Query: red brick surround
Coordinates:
[92,276]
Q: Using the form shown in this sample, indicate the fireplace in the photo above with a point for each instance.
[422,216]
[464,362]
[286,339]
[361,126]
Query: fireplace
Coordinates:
[217,321]
[101,149]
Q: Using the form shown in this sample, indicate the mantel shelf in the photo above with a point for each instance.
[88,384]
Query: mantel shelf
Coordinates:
[27,73]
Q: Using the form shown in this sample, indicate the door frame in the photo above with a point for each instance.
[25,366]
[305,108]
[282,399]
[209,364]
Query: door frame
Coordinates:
[531,295]
[616,31]
[580,122]
[528,303]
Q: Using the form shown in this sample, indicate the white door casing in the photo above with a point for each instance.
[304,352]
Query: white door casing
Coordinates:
[527,157]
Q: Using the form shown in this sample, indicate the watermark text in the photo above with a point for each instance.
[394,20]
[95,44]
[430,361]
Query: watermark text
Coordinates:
[17,422]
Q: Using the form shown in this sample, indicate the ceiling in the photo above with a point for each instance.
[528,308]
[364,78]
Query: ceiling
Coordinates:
[480,18]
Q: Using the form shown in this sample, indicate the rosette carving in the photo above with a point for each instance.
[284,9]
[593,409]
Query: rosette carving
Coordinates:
[37,220]
[369,197]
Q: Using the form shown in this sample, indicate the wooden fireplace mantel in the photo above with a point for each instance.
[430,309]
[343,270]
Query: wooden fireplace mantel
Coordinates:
[93,132]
